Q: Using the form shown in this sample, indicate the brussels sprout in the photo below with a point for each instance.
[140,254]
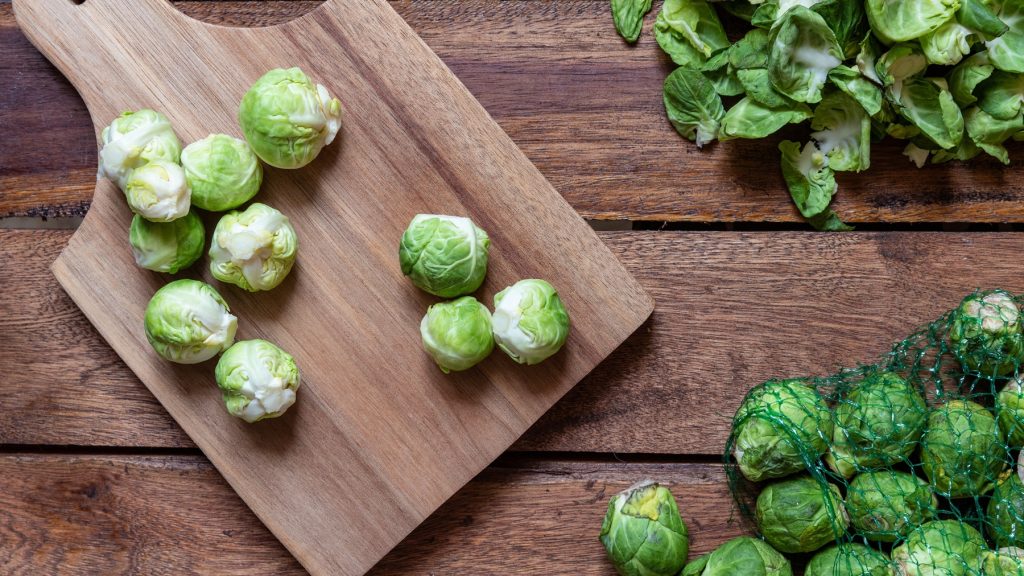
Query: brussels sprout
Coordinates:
[222,172]
[962,451]
[692,105]
[158,191]
[877,423]
[689,31]
[849,560]
[530,322]
[1008,561]
[940,548]
[985,333]
[1010,412]
[167,246]
[258,379]
[741,556]
[287,119]
[643,532]
[1005,512]
[457,334]
[800,514]
[444,255]
[885,506]
[803,49]
[188,322]
[134,139]
[254,249]
[781,427]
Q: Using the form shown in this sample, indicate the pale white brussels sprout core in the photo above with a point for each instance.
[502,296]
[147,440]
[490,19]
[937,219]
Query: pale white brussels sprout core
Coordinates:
[188,322]
[530,322]
[167,246]
[457,334]
[222,172]
[254,249]
[158,191]
[134,139]
[258,380]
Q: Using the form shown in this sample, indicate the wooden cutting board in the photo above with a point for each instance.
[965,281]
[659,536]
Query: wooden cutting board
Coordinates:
[379,437]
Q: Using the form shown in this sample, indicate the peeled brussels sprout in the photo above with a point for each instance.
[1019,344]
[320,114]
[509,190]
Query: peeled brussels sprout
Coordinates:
[744,555]
[158,191]
[258,380]
[962,451]
[849,560]
[287,119]
[782,427]
[188,322]
[985,333]
[800,514]
[530,322]
[457,334]
[167,246]
[885,506]
[1008,561]
[222,172]
[940,548]
[134,139]
[877,423]
[444,255]
[1005,513]
[254,249]
[643,532]
[1010,412]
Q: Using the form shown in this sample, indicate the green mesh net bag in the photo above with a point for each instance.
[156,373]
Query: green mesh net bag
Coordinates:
[903,467]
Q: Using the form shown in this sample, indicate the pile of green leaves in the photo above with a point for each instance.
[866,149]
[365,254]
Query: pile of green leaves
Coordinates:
[947,76]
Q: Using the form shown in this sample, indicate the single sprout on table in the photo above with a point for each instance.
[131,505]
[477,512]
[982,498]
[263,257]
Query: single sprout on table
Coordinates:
[800,514]
[940,548]
[158,191]
[444,255]
[188,322]
[457,334]
[134,139]
[643,532]
[167,246]
[985,333]
[287,119]
[253,249]
[1005,513]
[885,506]
[222,171]
[850,560]
[1007,561]
[742,555]
[258,380]
[1010,412]
[530,322]
[962,451]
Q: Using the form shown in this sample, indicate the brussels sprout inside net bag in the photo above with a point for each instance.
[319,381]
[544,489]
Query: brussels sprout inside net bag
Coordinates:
[912,460]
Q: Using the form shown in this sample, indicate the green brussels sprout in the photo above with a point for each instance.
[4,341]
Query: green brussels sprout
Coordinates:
[986,335]
[877,423]
[158,191]
[800,514]
[1005,512]
[1010,412]
[258,380]
[885,506]
[643,532]
[188,322]
[253,249]
[962,451]
[530,322]
[167,246]
[744,556]
[444,255]
[1008,561]
[134,139]
[781,427]
[849,560]
[287,119]
[222,171]
[457,334]
[940,548]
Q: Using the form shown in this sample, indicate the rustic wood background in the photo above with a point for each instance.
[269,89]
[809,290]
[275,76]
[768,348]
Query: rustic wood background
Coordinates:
[99,479]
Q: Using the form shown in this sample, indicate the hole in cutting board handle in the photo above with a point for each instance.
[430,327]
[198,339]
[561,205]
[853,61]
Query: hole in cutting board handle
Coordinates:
[77,2]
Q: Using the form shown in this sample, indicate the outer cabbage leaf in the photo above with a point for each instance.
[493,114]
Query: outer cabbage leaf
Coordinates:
[905,20]
[803,49]
[749,118]
[689,31]
[693,106]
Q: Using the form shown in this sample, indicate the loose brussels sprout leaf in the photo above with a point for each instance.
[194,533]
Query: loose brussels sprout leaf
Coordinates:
[751,51]
[967,75]
[253,249]
[444,255]
[628,16]
[933,110]
[530,322]
[962,450]
[134,139]
[643,532]
[457,334]
[769,11]
[948,44]
[885,506]
[743,555]
[751,119]
[167,246]
[689,31]
[867,58]
[222,171]
[693,106]
[811,184]
[1010,414]
[985,333]
[847,21]
[696,568]
[800,514]
[979,17]
[855,85]
[900,63]
[1002,95]
[758,86]
[287,119]
[908,19]
[1005,513]
[158,191]
[188,322]
[1007,51]
[803,49]
[721,75]
[919,156]
[1007,561]
[940,547]
[781,427]
[990,133]
[962,153]
[258,380]
[849,560]
[842,132]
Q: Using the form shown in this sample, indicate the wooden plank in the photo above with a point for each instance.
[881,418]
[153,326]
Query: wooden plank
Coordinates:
[582,105]
[733,310]
[175,514]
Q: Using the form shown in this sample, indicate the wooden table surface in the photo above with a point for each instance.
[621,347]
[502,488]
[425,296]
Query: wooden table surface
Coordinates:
[97,478]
